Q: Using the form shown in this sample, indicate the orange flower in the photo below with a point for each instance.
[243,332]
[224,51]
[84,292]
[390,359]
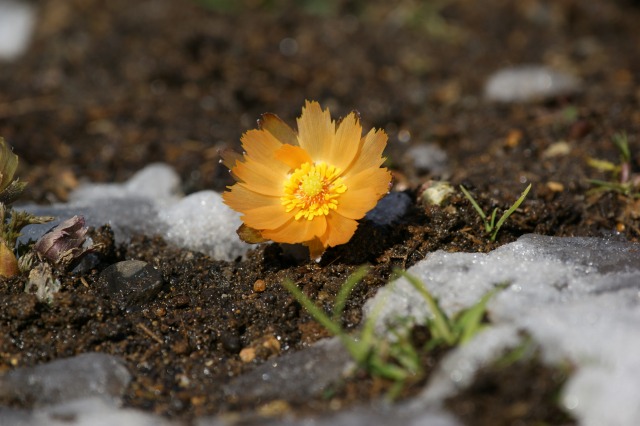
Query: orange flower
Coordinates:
[309,187]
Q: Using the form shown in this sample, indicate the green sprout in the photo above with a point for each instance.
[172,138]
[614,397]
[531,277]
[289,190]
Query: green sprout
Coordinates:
[452,331]
[11,221]
[365,349]
[490,224]
[623,181]
[396,358]
[10,189]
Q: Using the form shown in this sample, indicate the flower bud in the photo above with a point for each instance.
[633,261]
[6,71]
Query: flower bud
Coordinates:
[63,244]
[8,262]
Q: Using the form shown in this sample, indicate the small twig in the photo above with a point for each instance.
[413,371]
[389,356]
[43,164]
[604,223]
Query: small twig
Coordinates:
[150,333]
[26,106]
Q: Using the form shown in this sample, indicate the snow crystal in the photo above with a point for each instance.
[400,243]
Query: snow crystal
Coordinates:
[157,182]
[202,222]
[579,298]
[150,203]
[88,411]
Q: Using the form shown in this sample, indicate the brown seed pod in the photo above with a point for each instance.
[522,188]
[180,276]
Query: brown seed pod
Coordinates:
[8,262]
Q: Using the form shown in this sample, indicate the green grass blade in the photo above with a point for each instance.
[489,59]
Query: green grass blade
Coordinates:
[473,203]
[317,313]
[345,291]
[620,140]
[403,351]
[509,212]
[489,225]
[603,165]
[603,185]
[469,322]
[357,351]
[387,370]
[367,335]
[441,322]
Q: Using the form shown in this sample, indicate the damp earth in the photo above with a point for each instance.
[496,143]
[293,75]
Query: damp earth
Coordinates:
[108,88]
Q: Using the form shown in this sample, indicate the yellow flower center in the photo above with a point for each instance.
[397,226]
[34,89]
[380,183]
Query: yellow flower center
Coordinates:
[314,189]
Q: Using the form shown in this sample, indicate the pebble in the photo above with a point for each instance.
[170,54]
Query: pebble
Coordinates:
[428,158]
[294,376]
[247,355]
[132,282]
[390,209]
[62,380]
[231,342]
[529,82]
[434,193]
[259,286]
[17,21]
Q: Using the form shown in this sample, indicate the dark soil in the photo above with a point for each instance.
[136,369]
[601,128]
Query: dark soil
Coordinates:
[500,385]
[109,87]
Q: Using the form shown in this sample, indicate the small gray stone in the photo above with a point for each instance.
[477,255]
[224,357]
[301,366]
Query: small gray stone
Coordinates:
[90,411]
[17,22]
[390,209]
[527,83]
[294,377]
[429,158]
[86,375]
[131,282]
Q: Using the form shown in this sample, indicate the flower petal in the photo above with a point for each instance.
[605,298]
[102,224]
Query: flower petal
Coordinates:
[263,178]
[339,230]
[376,179]
[292,156]
[355,204]
[346,143]
[278,128]
[229,157]
[316,131]
[297,231]
[363,192]
[316,248]
[370,154]
[241,199]
[266,217]
[260,145]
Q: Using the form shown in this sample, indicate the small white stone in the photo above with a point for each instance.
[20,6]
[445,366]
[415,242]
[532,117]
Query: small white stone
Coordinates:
[529,82]
[428,157]
[90,374]
[17,20]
